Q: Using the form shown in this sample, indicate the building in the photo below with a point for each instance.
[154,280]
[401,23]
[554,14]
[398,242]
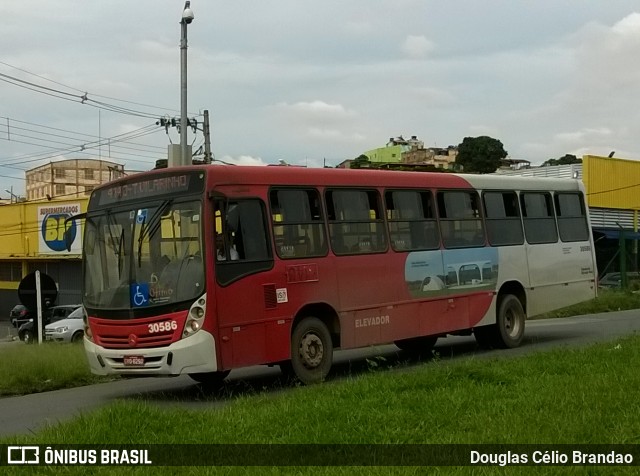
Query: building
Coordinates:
[438,157]
[32,239]
[32,231]
[399,150]
[391,152]
[72,177]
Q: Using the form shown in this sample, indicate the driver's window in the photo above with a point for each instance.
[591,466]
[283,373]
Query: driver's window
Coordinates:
[224,236]
[241,238]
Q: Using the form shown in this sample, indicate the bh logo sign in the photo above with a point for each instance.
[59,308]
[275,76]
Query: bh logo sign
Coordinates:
[53,227]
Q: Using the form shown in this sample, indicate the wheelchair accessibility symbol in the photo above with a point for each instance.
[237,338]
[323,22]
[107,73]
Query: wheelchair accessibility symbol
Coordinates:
[139,294]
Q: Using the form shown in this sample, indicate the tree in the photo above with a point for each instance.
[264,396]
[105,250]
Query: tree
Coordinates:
[480,155]
[564,160]
[362,161]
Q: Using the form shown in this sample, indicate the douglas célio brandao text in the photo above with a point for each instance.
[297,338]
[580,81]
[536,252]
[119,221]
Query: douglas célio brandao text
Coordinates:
[550,458]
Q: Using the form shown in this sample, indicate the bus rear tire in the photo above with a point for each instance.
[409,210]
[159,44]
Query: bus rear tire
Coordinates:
[511,319]
[210,378]
[508,331]
[417,345]
[311,351]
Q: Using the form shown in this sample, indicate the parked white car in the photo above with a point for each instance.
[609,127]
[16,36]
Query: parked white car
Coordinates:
[70,329]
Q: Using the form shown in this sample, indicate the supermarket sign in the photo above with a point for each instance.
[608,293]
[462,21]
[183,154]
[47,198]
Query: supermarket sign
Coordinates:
[52,224]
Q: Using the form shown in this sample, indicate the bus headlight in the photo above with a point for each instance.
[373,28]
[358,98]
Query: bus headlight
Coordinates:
[87,331]
[195,317]
[87,328]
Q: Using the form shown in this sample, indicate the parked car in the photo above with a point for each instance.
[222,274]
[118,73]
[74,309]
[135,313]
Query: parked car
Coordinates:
[70,329]
[28,332]
[18,315]
[614,280]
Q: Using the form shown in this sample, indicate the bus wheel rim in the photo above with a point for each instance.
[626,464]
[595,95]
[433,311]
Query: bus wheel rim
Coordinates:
[311,350]
[511,323]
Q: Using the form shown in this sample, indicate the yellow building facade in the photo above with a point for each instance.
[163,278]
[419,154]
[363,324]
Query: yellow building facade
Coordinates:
[31,238]
[611,183]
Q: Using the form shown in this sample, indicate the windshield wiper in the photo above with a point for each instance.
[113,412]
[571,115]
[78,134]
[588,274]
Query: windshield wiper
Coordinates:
[111,222]
[152,227]
[140,240]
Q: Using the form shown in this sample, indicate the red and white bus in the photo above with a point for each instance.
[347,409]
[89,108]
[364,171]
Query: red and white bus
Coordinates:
[199,270]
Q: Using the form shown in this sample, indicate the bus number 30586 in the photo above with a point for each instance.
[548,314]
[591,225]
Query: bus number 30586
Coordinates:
[162,327]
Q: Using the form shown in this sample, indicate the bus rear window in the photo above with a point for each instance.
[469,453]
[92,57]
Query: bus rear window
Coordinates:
[572,219]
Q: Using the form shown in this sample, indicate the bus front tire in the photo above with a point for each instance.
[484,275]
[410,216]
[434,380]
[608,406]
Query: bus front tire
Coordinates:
[508,330]
[210,378]
[311,351]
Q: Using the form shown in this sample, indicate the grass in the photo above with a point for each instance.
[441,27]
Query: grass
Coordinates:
[40,368]
[583,396]
[577,396]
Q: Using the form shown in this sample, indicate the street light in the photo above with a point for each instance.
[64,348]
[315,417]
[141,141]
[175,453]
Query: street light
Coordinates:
[187,17]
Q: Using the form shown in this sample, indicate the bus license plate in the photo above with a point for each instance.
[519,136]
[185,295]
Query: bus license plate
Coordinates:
[133,360]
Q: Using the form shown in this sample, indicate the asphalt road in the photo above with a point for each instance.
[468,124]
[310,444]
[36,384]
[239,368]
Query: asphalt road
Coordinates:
[28,413]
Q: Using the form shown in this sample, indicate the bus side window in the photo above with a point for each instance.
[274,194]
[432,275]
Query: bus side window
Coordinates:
[502,216]
[412,221]
[225,248]
[538,217]
[460,219]
[244,228]
[356,223]
[298,225]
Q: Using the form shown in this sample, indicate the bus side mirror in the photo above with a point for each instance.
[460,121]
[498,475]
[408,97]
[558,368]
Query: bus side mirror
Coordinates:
[67,235]
[68,239]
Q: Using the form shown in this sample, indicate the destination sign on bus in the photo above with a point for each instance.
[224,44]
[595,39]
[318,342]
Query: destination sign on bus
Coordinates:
[150,187]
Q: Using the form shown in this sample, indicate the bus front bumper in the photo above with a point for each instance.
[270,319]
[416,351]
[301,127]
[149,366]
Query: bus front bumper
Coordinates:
[194,354]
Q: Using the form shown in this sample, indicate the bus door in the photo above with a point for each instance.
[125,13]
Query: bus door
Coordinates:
[249,311]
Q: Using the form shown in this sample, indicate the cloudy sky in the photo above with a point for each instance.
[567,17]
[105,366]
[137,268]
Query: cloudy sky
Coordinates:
[308,81]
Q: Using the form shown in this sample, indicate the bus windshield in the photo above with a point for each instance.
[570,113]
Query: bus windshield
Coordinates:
[140,256]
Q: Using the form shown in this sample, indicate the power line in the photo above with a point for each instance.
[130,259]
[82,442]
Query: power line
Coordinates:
[124,137]
[95,95]
[93,144]
[81,98]
[72,151]
[112,142]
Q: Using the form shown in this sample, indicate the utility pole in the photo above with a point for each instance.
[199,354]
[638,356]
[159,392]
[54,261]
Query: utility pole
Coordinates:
[187,18]
[13,198]
[207,138]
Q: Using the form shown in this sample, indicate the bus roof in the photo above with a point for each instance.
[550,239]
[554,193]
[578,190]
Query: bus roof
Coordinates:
[327,177]
[283,175]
